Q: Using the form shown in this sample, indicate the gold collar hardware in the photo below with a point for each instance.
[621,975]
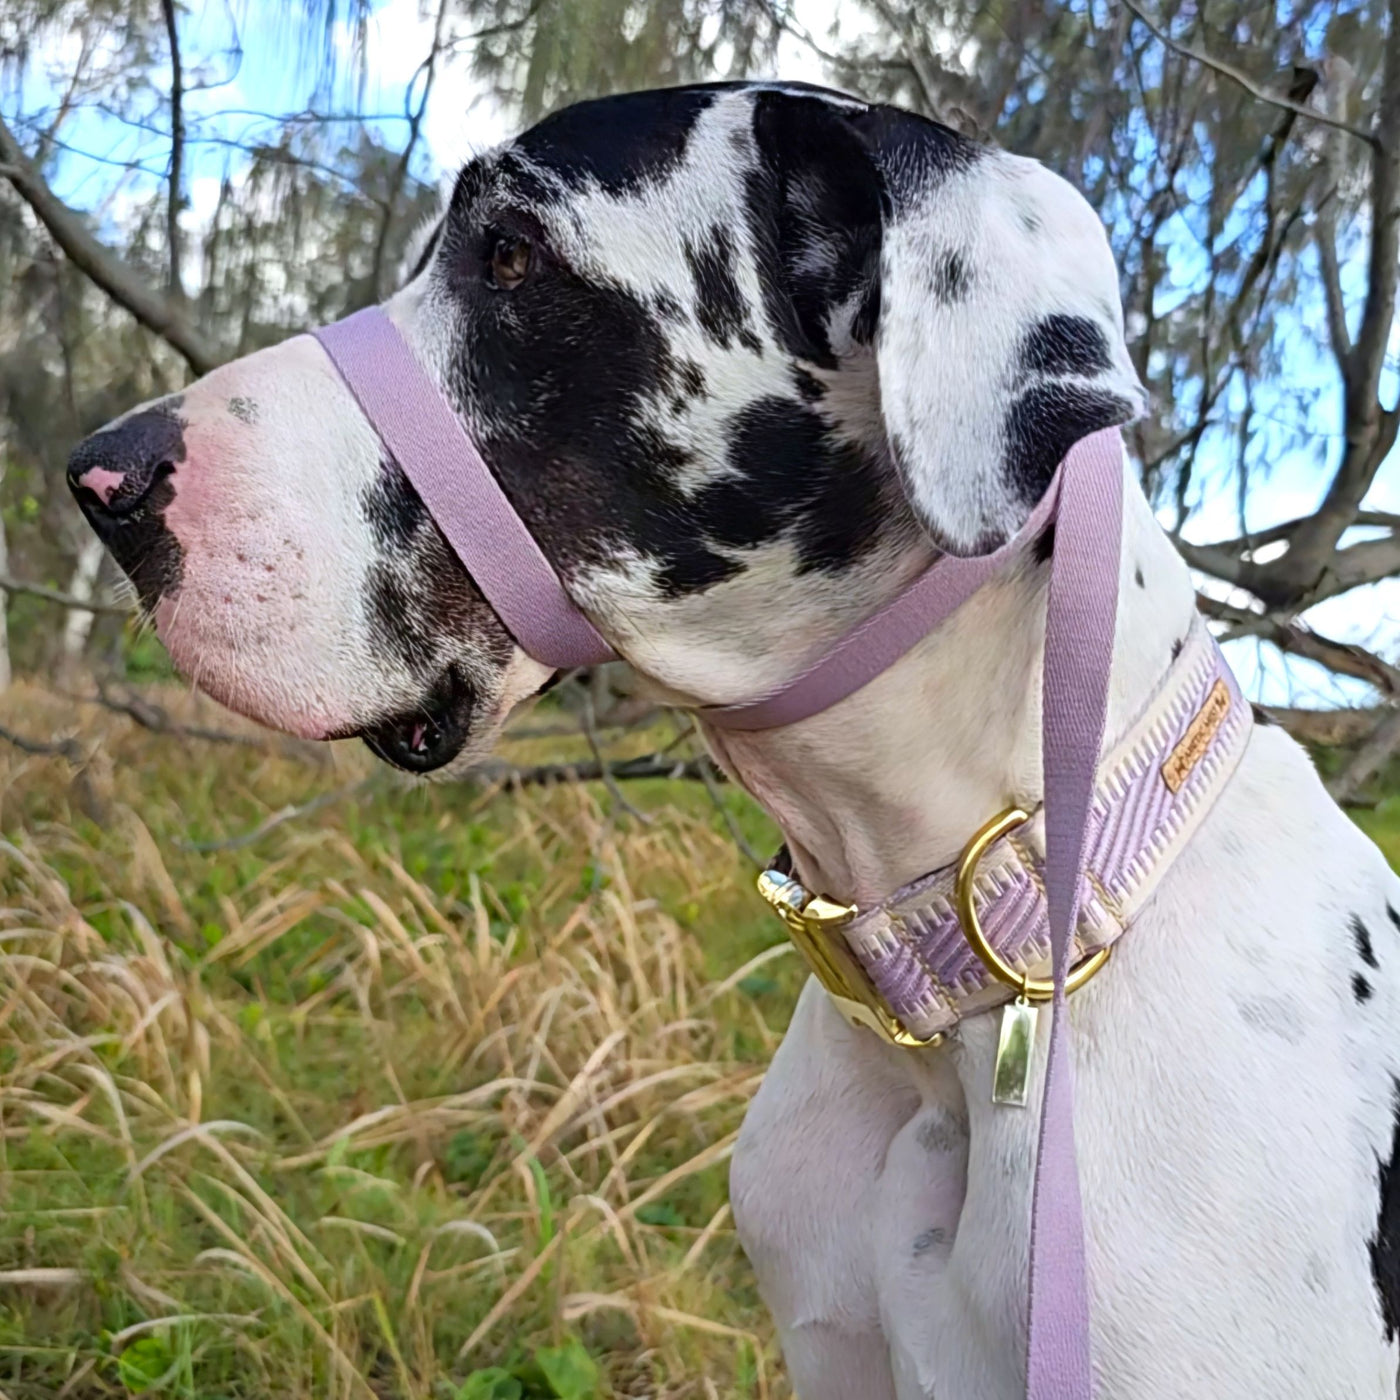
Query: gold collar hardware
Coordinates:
[814,923]
[1030,989]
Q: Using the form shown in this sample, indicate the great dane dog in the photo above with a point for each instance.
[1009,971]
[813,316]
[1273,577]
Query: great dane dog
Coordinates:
[746,357]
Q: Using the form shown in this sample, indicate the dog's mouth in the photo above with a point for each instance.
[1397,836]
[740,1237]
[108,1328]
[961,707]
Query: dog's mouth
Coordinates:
[430,734]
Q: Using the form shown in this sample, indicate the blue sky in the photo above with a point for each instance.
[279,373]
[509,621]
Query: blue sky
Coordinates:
[276,75]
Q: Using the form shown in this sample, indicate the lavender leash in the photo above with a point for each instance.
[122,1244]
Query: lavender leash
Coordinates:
[424,435]
[1079,624]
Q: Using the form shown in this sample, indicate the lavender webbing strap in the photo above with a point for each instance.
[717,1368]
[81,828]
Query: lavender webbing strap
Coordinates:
[1079,624]
[427,439]
[885,636]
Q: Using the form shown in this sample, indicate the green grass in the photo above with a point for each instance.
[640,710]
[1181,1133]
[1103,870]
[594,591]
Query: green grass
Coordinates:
[1382,825]
[429,1092]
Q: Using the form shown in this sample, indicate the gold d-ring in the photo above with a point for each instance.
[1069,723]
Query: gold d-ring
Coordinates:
[1031,988]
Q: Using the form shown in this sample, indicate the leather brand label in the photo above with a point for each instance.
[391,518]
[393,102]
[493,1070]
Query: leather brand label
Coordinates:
[1194,743]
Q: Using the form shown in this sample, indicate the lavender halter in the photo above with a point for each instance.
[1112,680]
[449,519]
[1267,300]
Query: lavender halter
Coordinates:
[427,439]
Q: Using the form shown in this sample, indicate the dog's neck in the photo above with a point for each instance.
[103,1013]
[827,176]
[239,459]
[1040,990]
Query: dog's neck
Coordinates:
[891,782]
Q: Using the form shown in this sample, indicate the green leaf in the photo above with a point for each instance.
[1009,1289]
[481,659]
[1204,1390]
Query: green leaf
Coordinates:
[569,1370]
[660,1213]
[467,1157]
[755,986]
[493,1383]
[143,1364]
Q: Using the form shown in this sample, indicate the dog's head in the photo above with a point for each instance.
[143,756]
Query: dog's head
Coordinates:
[736,353]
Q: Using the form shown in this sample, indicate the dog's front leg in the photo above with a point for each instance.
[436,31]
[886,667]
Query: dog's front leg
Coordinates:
[806,1188]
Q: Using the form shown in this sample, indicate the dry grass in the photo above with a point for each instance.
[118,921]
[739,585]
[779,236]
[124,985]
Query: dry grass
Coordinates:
[412,1086]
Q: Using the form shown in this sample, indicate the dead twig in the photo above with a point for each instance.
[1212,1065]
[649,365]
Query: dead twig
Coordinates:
[590,730]
[63,600]
[651,765]
[57,748]
[1242,79]
[279,818]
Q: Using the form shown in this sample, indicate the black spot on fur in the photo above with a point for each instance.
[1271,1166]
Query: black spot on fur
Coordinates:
[395,513]
[1029,218]
[913,153]
[690,379]
[1385,1246]
[1261,716]
[621,142]
[950,280]
[419,600]
[1063,344]
[1393,915]
[1361,936]
[813,206]
[667,306]
[933,1238]
[1044,546]
[245,410]
[1361,989]
[943,1132]
[809,386]
[719,304]
[1138,578]
[1177,646]
[1045,421]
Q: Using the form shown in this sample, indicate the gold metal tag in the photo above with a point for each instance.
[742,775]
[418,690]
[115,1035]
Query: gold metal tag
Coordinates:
[1202,730]
[1011,1079]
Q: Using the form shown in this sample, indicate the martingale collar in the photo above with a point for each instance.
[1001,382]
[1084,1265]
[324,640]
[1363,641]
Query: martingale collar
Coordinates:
[973,935]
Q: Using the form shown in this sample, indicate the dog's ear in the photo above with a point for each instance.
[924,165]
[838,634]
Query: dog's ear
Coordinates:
[989,290]
[1000,339]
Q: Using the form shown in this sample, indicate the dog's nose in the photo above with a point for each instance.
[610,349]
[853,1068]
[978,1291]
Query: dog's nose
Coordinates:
[113,473]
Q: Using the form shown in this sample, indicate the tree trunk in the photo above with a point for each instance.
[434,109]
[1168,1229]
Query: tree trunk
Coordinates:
[83,585]
[5,676]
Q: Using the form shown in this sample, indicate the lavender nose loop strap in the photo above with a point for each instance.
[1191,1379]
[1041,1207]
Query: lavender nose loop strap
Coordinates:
[426,438]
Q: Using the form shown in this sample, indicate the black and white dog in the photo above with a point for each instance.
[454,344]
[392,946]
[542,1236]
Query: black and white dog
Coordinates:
[745,357]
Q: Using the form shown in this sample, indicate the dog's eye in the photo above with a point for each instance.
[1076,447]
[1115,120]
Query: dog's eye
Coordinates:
[510,262]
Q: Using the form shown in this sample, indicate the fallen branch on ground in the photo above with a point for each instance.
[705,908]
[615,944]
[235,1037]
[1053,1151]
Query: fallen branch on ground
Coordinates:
[278,818]
[63,600]
[57,748]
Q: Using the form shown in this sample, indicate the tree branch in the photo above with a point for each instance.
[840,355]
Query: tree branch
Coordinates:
[64,600]
[157,313]
[1325,240]
[1328,728]
[1374,753]
[651,765]
[1242,79]
[1343,658]
[1370,429]
[415,125]
[59,748]
[177,151]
